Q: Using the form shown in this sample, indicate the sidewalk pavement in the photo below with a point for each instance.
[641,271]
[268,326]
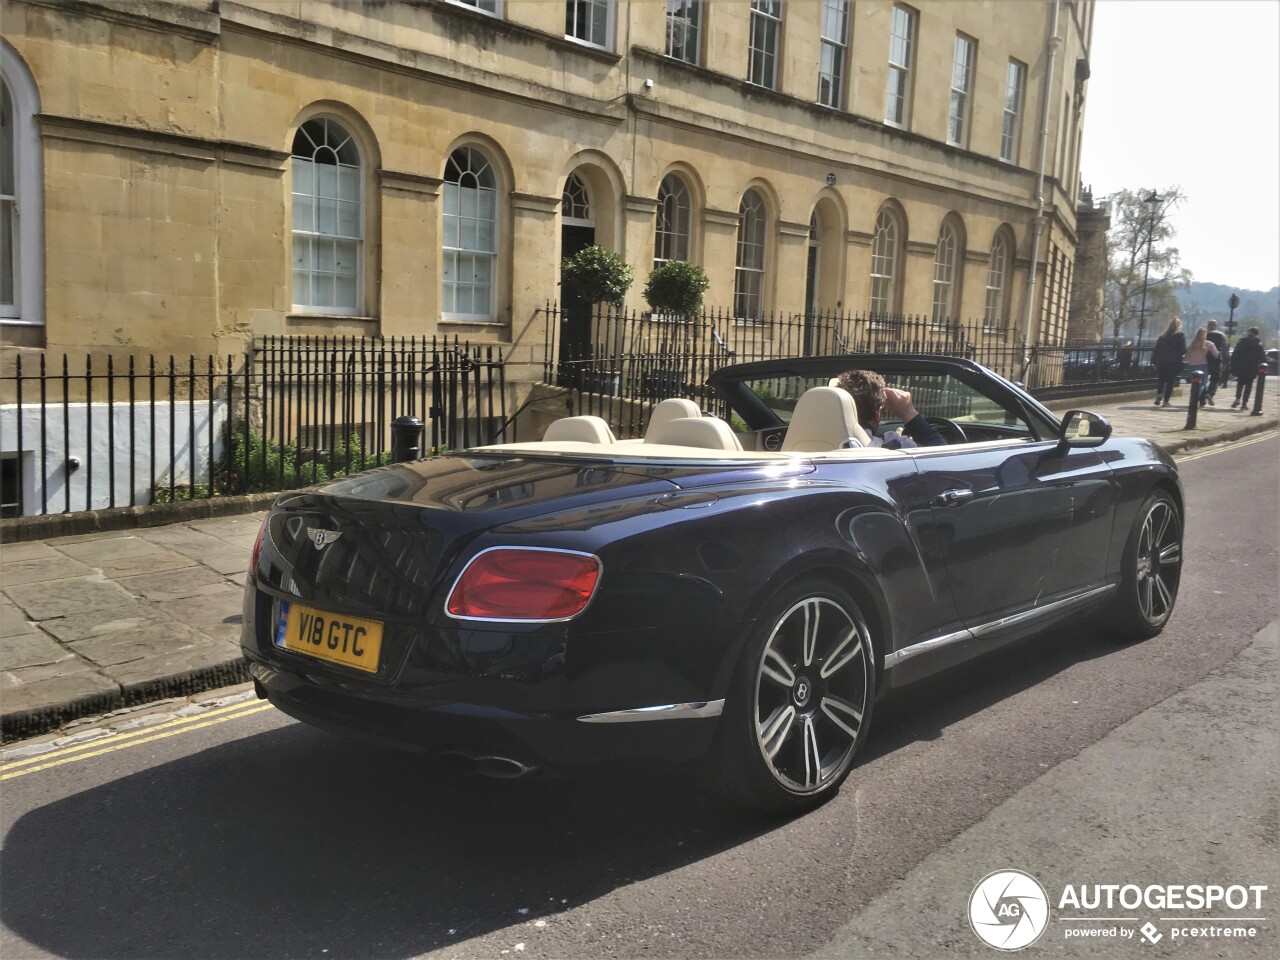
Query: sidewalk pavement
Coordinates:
[104,621]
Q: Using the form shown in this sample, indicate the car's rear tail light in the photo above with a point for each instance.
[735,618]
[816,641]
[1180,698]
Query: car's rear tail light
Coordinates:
[513,583]
[257,546]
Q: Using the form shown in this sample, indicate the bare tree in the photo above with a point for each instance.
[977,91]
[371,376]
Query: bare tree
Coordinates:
[1144,266]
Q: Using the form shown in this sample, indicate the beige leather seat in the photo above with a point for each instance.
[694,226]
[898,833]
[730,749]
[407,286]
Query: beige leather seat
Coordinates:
[673,408]
[709,433]
[586,429]
[824,419]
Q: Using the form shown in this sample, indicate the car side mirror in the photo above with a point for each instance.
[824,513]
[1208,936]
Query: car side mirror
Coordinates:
[1080,428]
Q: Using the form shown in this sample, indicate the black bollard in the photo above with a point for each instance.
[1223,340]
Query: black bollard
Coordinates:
[406,439]
[1195,402]
[1262,382]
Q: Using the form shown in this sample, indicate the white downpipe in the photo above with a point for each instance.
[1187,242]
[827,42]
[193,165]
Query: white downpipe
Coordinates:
[1046,103]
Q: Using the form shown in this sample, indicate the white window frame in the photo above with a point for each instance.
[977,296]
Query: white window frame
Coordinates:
[752,256]
[575,202]
[458,211]
[492,8]
[833,52]
[944,275]
[26,226]
[594,18]
[962,66]
[995,315]
[885,256]
[673,230]
[765,43]
[684,30]
[1015,86]
[307,205]
[902,41]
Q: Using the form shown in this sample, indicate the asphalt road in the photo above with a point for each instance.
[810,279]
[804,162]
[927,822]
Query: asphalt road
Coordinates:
[237,833]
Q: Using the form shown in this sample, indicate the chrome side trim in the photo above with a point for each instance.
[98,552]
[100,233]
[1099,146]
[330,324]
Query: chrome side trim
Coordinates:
[934,643]
[669,711]
[1034,612]
[924,646]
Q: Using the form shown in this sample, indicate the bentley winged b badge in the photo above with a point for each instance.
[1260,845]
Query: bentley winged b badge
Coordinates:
[322,538]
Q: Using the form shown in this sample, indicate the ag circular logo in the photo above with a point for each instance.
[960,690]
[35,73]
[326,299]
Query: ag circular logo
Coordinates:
[1008,910]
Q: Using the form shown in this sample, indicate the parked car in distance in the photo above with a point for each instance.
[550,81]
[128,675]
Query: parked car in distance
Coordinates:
[732,591]
[1273,362]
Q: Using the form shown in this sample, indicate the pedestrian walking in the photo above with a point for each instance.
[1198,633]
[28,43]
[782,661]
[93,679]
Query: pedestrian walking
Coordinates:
[1125,359]
[1170,346]
[1216,363]
[1245,359]
[1199,352]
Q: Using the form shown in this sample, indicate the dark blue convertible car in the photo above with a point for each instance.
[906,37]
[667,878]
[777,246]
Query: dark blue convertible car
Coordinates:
[735,590]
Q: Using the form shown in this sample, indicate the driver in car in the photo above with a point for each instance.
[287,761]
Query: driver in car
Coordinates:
[870,393]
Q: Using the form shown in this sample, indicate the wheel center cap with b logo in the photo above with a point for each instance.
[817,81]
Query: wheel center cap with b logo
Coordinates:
[802,692]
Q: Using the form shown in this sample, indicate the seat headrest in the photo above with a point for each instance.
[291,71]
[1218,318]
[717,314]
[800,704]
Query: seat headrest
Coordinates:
[824,419]
[587,429]
[673,408]
[710,433]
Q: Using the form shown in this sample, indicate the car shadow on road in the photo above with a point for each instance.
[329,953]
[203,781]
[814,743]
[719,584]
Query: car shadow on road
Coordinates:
[296,843]
[293,842]
[923,710]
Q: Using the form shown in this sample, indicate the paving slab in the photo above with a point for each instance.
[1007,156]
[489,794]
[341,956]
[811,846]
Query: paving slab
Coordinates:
[41,569]
[194,581]
[61,598]
[81,625]
[161,561]
[220,607]
[30,650]
[29,704]
[25,551]
[150,642]
[109,549]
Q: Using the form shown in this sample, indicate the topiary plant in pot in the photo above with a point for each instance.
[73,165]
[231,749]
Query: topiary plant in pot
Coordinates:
[596,275]
[675,288]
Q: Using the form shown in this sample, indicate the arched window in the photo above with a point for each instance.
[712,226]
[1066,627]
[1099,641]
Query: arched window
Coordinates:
[327,219]
[996,313]
[21,196]
[884,265]
[944,274]
[748,288]
[470,235]
[671,238]
[575,202]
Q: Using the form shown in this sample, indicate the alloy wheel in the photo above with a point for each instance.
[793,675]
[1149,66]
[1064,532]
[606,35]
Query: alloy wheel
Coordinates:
[811,693]
[1159,561]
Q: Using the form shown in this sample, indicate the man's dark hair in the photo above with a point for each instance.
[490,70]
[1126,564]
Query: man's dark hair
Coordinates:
[867,389]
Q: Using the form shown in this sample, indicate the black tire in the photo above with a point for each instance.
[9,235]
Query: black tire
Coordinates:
[1152,569]
[800,703]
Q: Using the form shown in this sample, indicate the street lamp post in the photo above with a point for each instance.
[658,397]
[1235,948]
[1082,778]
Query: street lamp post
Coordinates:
[1152,204]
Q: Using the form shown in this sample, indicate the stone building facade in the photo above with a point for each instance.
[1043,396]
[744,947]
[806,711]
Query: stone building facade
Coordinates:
[183,175]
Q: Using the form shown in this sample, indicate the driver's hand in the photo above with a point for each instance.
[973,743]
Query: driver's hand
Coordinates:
[898,402]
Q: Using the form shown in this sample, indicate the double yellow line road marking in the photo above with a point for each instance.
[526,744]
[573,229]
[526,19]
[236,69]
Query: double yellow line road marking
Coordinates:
[132,738]
[1223,448]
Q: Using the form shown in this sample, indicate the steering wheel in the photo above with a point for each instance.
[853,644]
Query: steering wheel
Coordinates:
[950,430]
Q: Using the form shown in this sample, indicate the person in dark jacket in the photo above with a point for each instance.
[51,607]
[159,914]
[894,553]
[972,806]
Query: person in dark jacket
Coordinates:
[1216,364]
[872,397]
[1170,347]
[1245,359]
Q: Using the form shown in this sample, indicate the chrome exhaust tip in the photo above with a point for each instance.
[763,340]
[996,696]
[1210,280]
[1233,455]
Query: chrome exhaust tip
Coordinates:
[498,768]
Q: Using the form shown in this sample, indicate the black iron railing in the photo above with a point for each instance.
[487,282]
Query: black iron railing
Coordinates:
[139,430]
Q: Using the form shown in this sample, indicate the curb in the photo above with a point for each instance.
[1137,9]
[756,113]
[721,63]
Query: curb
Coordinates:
[51,525]
[23,724]
[1259,425]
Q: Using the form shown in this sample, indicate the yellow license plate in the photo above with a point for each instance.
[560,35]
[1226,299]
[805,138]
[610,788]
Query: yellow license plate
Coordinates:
[335,637]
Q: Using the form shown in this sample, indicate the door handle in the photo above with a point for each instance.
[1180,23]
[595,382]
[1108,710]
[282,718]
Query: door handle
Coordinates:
[953,498]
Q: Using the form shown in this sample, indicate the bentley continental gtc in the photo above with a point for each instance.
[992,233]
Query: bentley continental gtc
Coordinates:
[734,590]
